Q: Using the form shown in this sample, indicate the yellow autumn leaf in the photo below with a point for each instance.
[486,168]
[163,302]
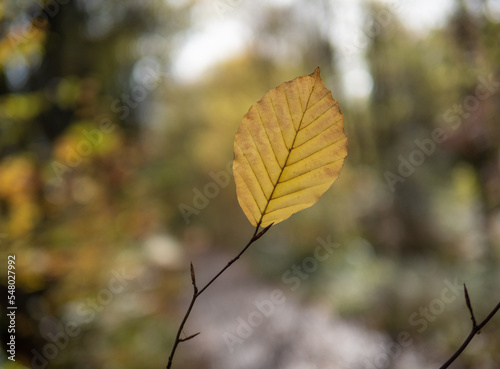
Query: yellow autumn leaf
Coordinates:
[288,150]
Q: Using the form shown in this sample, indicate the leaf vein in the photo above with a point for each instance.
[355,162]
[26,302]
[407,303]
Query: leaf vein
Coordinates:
[302,189]
[304,111]
[317,151]
[317,101]
[253,197]
[255,176]
[311,170]
[259,155]
[324,130]
[268,139]
[279,125]
[289,112]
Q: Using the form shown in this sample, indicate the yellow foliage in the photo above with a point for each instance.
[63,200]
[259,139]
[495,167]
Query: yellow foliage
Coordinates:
[84,140]
[17,188]
[15,176]
[288,150]
[21,106]
[23,218]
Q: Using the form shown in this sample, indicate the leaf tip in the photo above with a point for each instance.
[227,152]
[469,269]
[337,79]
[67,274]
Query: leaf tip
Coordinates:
[267,190]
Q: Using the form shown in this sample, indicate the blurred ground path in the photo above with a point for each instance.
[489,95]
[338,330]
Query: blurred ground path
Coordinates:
[246,323]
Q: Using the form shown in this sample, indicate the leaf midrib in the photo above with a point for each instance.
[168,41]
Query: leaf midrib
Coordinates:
[291,148]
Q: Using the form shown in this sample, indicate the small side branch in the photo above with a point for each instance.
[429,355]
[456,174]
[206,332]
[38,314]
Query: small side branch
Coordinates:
[193,280]
[261,233]
[469,306]
[196,293]
[476,329]
[189,337]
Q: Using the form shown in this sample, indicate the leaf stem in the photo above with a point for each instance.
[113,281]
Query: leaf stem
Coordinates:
[196,293]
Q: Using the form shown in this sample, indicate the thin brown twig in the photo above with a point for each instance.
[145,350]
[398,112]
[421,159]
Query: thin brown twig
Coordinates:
[189,337]
[476,329]
[196,293]
[469,306]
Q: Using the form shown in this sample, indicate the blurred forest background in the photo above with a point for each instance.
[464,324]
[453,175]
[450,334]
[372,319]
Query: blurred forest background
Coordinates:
[117,121]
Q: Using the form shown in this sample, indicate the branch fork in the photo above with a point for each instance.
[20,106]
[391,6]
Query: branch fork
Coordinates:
[476,328]
[196,293]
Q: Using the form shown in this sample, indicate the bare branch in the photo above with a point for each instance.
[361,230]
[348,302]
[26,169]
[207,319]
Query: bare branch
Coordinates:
[475,329]
[256,235]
